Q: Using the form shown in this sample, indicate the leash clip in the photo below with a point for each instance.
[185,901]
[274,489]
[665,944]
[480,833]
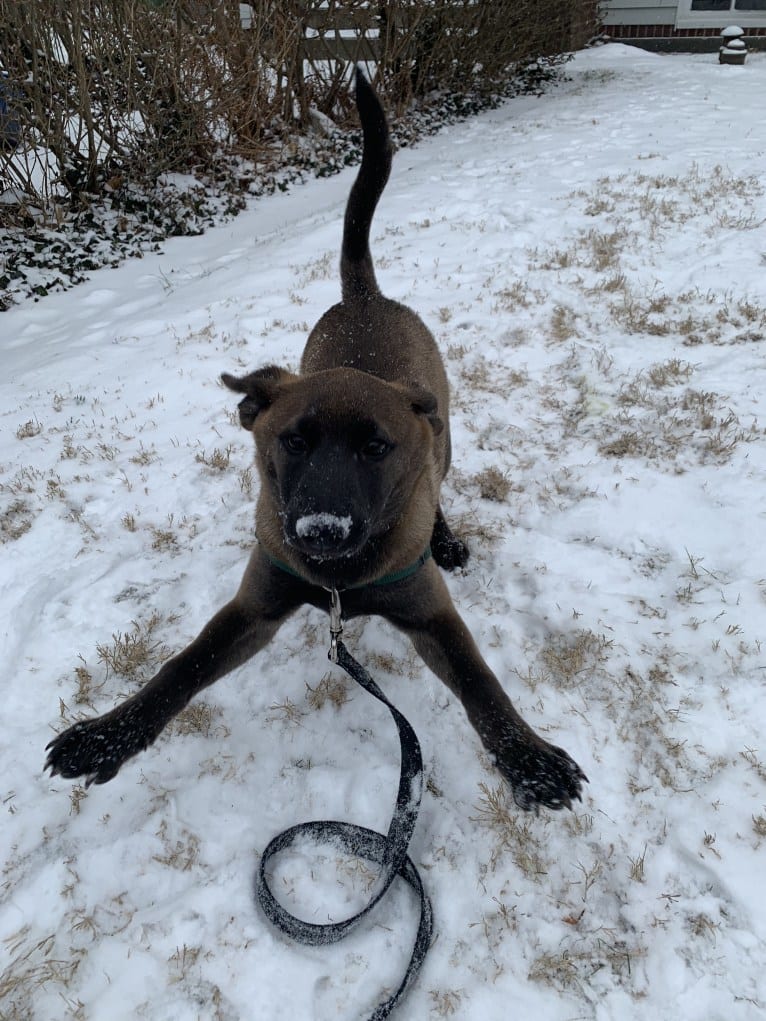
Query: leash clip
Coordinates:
[336,624]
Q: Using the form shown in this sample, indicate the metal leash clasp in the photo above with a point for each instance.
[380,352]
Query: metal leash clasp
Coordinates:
[336,624]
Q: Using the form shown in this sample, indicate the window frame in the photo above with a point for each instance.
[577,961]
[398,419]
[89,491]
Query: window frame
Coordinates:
[687,18]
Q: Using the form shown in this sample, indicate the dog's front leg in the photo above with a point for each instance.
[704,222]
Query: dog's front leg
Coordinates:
[539,773]
[96,749]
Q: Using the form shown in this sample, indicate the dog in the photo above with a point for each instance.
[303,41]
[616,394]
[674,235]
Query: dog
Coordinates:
[351,452]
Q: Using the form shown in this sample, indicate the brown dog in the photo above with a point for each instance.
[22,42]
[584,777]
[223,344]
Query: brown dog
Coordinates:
[351,453]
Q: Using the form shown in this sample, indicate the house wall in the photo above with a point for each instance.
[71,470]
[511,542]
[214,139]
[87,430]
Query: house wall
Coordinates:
[651,24]
[640,12]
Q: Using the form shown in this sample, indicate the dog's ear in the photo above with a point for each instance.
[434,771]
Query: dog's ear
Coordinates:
[260,388]
[424,403]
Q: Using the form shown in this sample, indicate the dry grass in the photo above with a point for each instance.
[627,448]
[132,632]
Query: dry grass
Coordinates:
[128,522]
[751,758]
[246,481]
[648,715]
[657,314]
[286,712]
[179,852]
[84,691]
[569,658]
[182,961]
[322,267]
[668,373]
[137,652]
[15,520]
[33,964]
[628,444]
[142,457]
[218,460]
[515,296]
[572,967]
[330,689]
[446,1002]
[636,212]
[493,484]
[29,429]
[642,314]
[596,250]
[472,527]
[514,834]
[164,540]
[562,324]
[482,374]
[197,718]
[663,422]
[660,202]
[637,392]
[638,867]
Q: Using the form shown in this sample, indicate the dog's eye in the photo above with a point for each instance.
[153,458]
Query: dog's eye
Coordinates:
[375,449]
[294,443]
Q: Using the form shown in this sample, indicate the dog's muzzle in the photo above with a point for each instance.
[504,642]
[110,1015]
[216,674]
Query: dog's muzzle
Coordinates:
[325,535]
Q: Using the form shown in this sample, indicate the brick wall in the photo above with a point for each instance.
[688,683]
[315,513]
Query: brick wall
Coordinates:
[667,38]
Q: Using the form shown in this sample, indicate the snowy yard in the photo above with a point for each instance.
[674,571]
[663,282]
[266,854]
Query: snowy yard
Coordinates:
[593,264]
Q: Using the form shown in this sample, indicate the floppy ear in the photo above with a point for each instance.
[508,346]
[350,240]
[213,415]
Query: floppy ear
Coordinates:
[260,387]
[424,403]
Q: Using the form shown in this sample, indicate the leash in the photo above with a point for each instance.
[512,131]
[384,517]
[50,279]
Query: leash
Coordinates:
[389,851]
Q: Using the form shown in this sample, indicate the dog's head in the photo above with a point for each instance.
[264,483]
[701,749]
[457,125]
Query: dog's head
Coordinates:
[342,455]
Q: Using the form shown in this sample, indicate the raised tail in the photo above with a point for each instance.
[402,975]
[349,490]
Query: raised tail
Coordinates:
[356,270]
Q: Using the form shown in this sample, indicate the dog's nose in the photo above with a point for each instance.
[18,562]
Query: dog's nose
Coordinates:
[323,533]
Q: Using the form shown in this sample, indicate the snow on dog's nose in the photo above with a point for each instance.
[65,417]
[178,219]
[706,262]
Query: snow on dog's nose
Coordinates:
[323,534]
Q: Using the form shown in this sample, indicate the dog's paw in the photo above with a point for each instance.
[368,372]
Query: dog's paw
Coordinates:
[542,775]
[97,748]
[449,552]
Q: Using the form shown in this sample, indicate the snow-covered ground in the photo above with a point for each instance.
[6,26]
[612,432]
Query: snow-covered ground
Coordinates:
[594,265]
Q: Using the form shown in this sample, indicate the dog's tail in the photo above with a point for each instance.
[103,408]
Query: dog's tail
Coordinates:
[356,270]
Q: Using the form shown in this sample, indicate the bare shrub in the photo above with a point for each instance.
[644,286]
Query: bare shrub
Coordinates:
[443,43]
[103,92]
[122,90]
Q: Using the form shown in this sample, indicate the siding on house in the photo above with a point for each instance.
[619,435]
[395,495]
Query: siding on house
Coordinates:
[640,12]
[652,24]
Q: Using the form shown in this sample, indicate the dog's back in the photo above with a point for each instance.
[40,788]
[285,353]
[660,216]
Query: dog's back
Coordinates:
[366,330]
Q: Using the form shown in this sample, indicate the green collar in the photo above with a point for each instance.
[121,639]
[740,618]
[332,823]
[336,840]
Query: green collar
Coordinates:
[387,579]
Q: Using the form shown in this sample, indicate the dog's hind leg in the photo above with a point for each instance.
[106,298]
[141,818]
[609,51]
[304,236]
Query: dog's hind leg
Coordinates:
[449,552]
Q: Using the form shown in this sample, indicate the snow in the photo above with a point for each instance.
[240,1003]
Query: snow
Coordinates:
[308,523]
[592,264]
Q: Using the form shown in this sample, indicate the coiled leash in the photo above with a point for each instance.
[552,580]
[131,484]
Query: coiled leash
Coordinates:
[389,851]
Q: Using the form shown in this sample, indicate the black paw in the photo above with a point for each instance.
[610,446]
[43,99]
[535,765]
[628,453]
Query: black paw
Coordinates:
[542,774]
[97,748]
[449,553]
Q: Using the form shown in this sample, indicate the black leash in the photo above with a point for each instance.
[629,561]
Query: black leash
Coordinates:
[389,851]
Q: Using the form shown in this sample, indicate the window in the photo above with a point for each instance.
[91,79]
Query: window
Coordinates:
[720,13]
